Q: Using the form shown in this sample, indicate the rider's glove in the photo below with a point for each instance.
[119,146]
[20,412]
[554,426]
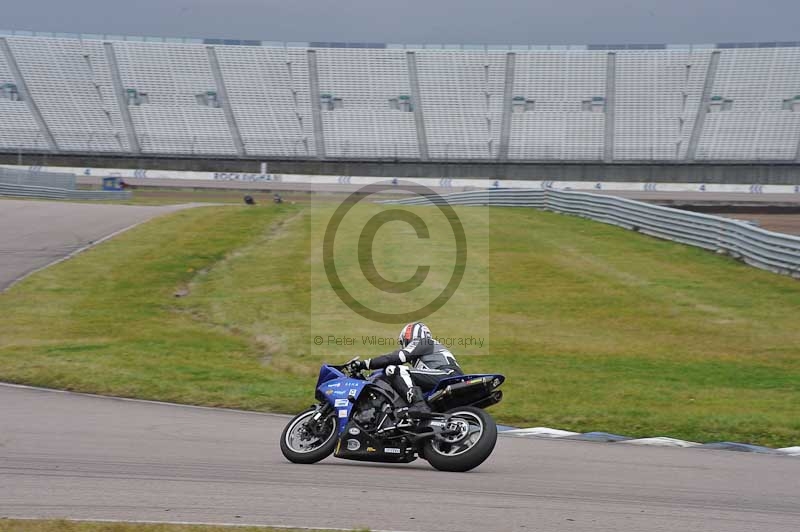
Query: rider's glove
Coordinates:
[358,365]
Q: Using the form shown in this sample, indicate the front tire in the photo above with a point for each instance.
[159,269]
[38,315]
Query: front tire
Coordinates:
[467,449]
[301,445]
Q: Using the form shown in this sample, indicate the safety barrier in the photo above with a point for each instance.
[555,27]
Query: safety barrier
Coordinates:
[32,191]
[37,177]
[758,247]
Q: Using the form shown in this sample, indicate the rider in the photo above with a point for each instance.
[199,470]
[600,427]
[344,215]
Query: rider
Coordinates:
[430,360]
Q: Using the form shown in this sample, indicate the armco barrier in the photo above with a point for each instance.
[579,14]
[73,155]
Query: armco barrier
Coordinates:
[31,191]
[30,176]
[768,250]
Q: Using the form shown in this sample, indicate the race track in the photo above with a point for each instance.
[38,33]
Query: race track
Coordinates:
[75,456]
[34,234]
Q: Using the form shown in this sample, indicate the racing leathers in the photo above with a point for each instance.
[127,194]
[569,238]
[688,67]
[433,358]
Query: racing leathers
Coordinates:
[430,362]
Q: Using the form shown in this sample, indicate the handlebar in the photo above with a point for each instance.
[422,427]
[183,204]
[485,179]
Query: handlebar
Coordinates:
[346,368]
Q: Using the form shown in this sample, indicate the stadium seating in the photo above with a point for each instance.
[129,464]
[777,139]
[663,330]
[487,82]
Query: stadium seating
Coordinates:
[19,131]
[657,98]
[462,97]
[172,121]
[306,100]
[756,80]
[365,81]
[269,93]
[71,84]
[558,127]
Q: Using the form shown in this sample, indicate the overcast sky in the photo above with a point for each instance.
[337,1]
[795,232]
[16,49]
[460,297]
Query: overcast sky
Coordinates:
[421,21]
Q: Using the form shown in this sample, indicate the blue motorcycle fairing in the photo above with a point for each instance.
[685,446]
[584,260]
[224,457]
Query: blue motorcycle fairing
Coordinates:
[338,391]
[327,373]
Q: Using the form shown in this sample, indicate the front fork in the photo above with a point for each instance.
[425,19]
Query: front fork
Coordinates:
[315,424]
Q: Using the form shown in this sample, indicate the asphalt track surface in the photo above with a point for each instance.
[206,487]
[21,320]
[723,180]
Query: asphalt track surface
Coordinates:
[34,234]
[75,456]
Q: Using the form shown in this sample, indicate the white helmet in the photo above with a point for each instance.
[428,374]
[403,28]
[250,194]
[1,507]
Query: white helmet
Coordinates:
[413,331]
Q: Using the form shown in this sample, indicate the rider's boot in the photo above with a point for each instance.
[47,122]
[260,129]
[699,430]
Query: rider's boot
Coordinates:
[418,409]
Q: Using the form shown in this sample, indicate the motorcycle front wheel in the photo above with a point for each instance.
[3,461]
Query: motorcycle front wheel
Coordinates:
[471,441]
[305,442]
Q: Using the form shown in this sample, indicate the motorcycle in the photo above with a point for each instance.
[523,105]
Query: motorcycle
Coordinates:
[362,418]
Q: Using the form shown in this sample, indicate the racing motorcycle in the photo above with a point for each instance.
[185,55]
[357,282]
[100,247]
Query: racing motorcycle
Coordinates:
[362,418]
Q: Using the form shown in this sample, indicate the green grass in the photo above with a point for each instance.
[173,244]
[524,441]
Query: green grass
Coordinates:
[108,321]
[596,328]
[45,525]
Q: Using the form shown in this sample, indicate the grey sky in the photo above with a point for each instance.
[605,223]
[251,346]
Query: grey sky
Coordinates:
[420,21]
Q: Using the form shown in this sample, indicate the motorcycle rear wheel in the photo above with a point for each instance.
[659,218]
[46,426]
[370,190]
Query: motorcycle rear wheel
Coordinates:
[301,446]
[467,449]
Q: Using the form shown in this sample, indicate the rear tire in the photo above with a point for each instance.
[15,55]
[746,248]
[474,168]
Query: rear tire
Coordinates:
[473,447]
[301,447]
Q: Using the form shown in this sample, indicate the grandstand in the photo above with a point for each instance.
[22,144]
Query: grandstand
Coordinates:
[113,95]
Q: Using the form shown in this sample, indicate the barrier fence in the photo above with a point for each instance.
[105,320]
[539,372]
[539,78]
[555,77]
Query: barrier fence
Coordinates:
[776,252]
[12,176]
[32,191]
[33,183]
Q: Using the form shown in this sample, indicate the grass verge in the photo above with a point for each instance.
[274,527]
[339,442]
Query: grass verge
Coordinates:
[595,327]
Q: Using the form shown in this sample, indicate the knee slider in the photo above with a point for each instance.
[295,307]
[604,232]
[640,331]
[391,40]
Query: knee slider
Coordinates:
[391,370]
